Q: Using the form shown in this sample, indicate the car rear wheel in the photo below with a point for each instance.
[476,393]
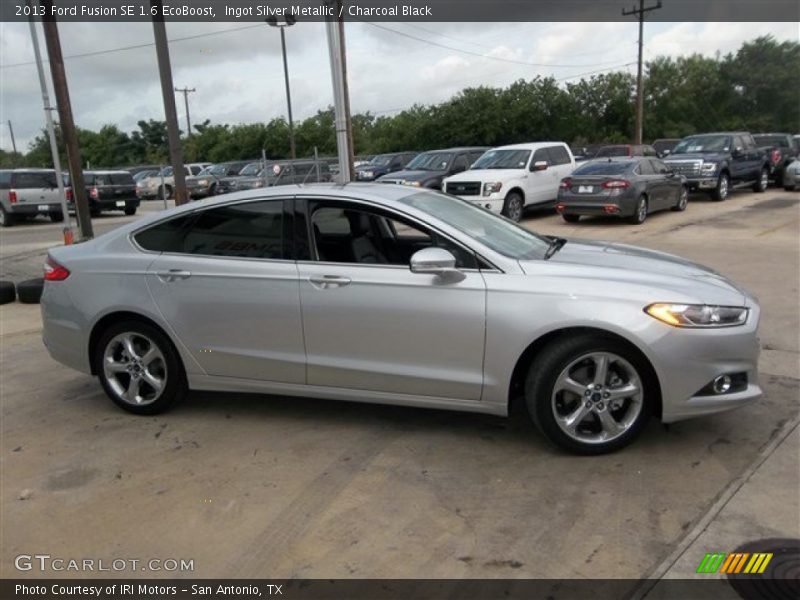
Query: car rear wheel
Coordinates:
[164,192]
[588,394]
[130,211]
[723,188]
[139,368]
[640,213]
[56,217]
[6,219]
[512,207]
[683,200]
[571,218]
[761,185]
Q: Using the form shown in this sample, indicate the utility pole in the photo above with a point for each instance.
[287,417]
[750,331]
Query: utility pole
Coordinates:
[186,91]
[341,103]
[640,12]
[170,112]
[13,144]
[68,130]
[288,22]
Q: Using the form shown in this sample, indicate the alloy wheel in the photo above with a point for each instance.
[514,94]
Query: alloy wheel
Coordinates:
[764,182]
[684,199]
[723,187]
[135,368]
[597,398]
[515,209]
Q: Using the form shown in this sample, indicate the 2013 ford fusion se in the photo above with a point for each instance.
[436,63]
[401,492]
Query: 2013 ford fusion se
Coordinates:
[376,293]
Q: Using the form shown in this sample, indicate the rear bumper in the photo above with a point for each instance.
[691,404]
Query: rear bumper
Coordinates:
[609,206]
[32,209]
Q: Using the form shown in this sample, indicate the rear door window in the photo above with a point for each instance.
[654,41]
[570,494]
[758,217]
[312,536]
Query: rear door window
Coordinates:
[34,180]
[558,155]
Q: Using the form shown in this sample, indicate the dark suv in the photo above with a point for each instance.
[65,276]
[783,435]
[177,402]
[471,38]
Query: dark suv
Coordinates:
[717,162]
[27,193]
[383,164]
[429,168]
[108,190]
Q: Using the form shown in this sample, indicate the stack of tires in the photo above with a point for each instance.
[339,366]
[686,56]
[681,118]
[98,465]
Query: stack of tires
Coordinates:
[28,292]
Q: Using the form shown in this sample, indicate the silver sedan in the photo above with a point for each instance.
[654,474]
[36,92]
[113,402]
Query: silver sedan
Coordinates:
[376,293]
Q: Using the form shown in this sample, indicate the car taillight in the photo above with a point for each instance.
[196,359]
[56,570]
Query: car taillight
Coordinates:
[69,195]
[616,184]
[565,184]
[12,197]
[93,193]
[54,271]
[776,156]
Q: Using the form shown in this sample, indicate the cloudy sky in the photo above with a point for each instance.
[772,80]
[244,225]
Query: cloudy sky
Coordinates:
[237,69]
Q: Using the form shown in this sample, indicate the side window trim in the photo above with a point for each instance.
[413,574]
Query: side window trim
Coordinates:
[356,204]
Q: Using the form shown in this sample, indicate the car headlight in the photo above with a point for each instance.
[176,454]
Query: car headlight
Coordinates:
[258,184]
[203,182]
[492,187]
[413,183]
[709,167]
[697,315]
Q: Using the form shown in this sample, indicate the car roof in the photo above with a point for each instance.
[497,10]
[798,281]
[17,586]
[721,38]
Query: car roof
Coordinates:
[107,172]
[31,170]
[458,149]
[528,146]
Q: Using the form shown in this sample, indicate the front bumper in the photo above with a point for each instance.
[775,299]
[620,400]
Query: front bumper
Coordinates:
[493,203]
[687,360]
[706,182]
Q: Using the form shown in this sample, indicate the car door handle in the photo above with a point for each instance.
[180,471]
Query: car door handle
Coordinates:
[325,282]
[173,275]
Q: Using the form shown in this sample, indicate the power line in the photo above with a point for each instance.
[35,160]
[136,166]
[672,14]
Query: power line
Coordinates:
[478,54]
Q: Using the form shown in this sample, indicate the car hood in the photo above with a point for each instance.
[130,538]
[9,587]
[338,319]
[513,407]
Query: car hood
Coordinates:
[485,175]
[705,156]
[414,175]
[665,273]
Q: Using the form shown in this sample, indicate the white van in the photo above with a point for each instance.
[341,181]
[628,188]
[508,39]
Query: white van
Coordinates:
[509,178]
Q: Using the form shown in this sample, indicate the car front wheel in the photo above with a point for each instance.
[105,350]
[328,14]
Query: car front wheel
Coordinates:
[589,394]
[139,368]
[512,207]
[761,185]
[723,188]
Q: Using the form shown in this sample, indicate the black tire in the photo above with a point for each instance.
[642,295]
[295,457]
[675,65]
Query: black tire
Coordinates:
[175,388]
[167,189]
[571,218]
[683,200]
[790,188]
[8,292]
[513,206]
[94,212]
[30,290]
[130,211]
[723,189]
[760,186]
[6,219]
[541,381]
[639,215]
[56,217]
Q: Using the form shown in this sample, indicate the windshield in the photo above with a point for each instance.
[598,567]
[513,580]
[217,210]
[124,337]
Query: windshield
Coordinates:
[612,151]
[603,168]
[381,160]
[251,170]
[217,170]
[166,172]
[503,159]
[430,161]
[771,140]
[703,143]
[495,232]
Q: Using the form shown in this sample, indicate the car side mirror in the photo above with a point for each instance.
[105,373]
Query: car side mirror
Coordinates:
[737,151]
[435,261]
[669,173]
[539,165]
[458,169]
[665,152]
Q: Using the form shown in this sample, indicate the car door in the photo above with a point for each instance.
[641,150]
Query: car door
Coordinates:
[226,284]
[669,183]
[371,324]
[538,183]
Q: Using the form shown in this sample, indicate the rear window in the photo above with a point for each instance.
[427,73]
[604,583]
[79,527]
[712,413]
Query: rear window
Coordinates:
[771,140]
[34,180]
[5,179]
[114,179]
[602,168]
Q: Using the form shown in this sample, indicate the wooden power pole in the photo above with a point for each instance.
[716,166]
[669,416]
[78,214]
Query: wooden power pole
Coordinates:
[640,12]
[68,130]
[170,112]
[186,91]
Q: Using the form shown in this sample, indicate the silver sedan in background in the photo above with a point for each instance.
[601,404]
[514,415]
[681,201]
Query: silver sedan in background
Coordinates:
[377,293]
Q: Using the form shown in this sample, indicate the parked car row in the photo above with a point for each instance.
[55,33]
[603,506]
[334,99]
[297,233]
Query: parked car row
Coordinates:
[27,193]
